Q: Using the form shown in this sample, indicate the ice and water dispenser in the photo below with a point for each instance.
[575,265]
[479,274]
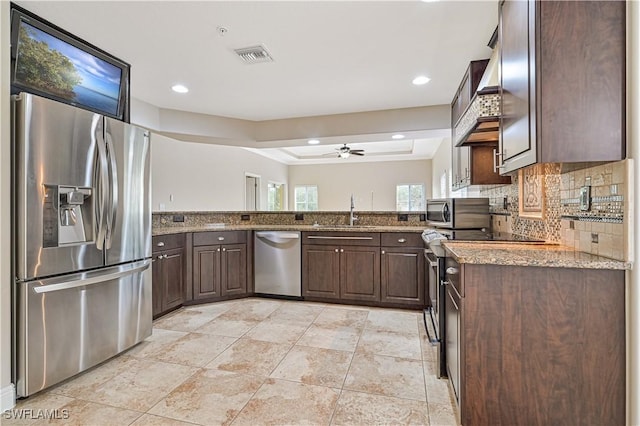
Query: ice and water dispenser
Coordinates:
[68,217]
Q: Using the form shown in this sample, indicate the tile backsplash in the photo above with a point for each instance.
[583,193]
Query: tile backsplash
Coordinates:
[599,230]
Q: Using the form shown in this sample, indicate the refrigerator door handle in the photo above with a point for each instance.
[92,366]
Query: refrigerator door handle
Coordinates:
[113,189]
[92,279]
[101,181]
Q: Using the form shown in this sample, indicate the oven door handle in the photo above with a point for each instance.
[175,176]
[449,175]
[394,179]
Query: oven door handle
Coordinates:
[432,340]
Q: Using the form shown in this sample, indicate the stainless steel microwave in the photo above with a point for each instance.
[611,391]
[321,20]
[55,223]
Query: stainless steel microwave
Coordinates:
[459,213]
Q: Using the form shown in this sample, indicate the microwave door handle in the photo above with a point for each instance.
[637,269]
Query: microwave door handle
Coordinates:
[113,189]
[101,181]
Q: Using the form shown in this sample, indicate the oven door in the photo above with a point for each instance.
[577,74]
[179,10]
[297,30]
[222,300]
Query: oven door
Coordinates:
[439,213]
[430,314]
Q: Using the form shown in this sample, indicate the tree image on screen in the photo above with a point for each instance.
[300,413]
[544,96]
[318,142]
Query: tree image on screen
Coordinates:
[44,68]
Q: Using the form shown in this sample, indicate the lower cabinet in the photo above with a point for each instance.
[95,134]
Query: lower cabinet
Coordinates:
[549,341]
[402,271]
[353,267]
[168,273]
[321,271]
[334,272]
[219,270]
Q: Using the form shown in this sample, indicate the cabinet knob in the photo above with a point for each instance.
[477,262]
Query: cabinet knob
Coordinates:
[341,250]
[224,249]
[220,238]
[160,244]
[382,252]
[165,256]
[160,257]
[402,240]
[336,250]
[218,249]
[452,271]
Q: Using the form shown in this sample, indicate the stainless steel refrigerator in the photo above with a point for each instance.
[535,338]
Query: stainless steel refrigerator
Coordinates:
[82,240]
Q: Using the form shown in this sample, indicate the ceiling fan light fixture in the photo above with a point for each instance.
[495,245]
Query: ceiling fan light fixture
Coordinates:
[344,154]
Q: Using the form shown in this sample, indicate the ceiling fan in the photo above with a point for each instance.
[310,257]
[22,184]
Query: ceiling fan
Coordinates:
[344,151]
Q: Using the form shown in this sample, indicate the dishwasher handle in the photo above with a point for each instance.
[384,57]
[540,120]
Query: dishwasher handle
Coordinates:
[278,235]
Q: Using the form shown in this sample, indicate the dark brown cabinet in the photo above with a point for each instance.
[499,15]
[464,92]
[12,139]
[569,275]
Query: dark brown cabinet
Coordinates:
[168,273]
[528,345]
[321,271]
[220,270]
[381,269]
[562,82]
[344,266]
[360,273]
[402,269]
[472,164]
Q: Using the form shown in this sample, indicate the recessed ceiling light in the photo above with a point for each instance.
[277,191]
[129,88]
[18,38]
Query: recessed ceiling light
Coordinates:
[313,141]
[420,80]
[397,136]
[179,88]
[430,1]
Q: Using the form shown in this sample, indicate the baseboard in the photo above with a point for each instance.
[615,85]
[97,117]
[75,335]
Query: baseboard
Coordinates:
[7,397]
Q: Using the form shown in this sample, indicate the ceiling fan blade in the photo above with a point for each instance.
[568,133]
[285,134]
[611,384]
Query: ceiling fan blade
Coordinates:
[357,153]
[356,150]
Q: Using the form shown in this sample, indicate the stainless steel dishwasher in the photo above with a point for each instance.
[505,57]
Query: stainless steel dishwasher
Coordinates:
[277,257]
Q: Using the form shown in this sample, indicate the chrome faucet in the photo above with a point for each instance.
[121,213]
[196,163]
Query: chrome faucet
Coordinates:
[352,217]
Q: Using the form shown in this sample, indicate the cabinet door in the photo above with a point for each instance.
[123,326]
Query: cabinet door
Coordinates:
[402,279]
[173,270]
[360,273]
[517,82]
[321,271]
[206,271]
[157,284]
[233,269]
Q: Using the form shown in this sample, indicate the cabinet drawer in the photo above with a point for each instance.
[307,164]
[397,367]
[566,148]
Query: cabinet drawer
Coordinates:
[342,238]
[167,242]
[402,239]
[219,237]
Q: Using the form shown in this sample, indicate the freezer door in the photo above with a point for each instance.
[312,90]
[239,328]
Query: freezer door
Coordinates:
[70,323]
[57,193]
[128,215]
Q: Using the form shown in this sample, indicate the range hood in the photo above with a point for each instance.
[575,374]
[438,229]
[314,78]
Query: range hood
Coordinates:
[480,123]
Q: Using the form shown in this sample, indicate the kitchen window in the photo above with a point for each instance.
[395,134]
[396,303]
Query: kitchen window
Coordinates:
[410,198]
[306,197]
[275,196]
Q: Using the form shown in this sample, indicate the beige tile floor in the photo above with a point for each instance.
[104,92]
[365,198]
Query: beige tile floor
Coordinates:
[263,361]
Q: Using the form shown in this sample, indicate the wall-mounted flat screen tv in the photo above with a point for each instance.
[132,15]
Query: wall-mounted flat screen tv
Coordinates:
[50,62]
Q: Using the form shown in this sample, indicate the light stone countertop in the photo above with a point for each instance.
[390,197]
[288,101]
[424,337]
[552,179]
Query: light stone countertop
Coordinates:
[165,230]
[528,254]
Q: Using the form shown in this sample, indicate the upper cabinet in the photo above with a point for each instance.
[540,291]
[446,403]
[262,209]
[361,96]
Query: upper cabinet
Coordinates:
[474,136]
[562,81]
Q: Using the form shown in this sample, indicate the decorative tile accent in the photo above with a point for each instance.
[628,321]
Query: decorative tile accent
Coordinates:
[562,190]
[482,106]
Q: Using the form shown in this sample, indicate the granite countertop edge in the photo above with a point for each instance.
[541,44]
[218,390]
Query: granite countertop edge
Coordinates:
[166,230]
[528,254]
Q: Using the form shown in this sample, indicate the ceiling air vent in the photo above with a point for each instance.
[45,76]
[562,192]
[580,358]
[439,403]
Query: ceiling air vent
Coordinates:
[254,54]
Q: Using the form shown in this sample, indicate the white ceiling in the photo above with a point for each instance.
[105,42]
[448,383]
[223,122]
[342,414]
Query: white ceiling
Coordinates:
[330,57]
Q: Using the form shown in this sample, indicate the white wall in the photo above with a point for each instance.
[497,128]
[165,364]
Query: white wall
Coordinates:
[206,177]
[441,164]
[7,396]
[336,183]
